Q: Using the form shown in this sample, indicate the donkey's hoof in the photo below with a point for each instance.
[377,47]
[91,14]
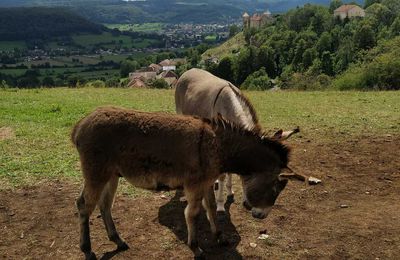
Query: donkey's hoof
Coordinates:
[199,254]
[247,205]
[230,198]
[221,216]
[123,247]
[222,241]
[90,256]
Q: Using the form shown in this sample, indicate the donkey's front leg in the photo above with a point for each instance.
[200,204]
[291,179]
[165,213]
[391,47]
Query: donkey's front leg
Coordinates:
[230,195]
[192,209]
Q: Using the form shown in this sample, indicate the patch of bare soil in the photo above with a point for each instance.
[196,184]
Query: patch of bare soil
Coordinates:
[6,133]
[353,214]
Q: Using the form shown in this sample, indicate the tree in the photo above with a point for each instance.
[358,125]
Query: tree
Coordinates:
[395,27]
[48,82]
[324,43]
[225,69]
[308,58]
[233,30]
[266,59]
[159,83]
[246,64]
[334,5]
[327,64]
[127,67]
[258,80]
[364,37]
[368,3]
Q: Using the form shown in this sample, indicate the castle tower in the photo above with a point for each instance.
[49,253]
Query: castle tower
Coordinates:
[246,20]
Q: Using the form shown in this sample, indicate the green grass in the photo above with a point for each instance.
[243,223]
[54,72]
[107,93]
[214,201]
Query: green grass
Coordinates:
[109,41]
[42,120]
[145,27]
[10,45]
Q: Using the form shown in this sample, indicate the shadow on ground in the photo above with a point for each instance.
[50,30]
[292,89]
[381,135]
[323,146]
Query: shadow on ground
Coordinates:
[172,216]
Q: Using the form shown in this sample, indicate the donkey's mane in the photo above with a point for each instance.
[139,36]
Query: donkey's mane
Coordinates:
[244,100]
[282,150]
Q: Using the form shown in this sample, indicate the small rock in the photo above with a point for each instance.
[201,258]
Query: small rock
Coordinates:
[344,206]
[367,192]
[313,180]
[253,245]
[163,196]
[263,237]
[22,235]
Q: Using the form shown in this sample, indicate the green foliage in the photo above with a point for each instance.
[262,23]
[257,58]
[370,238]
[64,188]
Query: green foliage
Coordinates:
[364,37]
[225,69]
[308,41]
[128,66]
[96,84]
[336,4]
[159,84]
[233,30]
[258,80]
[380,71]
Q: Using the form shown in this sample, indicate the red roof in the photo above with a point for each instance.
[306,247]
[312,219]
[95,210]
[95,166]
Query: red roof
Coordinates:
[345,8]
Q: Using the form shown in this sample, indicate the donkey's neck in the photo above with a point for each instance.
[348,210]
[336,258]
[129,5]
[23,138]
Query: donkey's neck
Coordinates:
[240,151]
[236,108]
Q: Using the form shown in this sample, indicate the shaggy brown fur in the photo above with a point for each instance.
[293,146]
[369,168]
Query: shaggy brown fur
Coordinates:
[158,150]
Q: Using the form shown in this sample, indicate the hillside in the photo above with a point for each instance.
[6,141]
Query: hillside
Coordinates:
[166,11]
[307,48]
[42,23]
[229,47]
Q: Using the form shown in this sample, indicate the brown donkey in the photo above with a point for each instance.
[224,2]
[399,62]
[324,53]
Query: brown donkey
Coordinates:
[157,151]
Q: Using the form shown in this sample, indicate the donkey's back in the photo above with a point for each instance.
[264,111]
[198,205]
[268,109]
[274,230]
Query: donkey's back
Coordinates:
[197,91]
[138,143]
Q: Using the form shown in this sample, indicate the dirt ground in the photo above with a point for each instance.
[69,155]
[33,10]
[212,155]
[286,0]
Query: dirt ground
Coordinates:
[353,214]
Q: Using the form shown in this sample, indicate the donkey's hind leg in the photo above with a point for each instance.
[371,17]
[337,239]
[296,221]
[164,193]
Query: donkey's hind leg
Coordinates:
[194,197]
[105,205]
[220,193]
[210,207]
[86,204]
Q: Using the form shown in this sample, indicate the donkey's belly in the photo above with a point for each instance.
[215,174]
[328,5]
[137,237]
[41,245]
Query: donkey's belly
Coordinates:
[154,181]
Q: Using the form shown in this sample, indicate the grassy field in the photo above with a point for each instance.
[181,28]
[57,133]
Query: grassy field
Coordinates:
[11,45]
[144,27]
[35,124]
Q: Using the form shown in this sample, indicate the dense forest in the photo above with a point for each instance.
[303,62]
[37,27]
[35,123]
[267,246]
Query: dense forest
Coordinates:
[42,23]
[307,48]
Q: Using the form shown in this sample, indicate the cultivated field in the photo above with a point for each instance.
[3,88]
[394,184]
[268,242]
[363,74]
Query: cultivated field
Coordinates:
[350,140]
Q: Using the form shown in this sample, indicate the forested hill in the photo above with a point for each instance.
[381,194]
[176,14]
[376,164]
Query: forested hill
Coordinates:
[308,48]
[166,11]
[39,23]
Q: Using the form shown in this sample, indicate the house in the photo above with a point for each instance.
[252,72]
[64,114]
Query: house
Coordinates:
[155,67]
[169,76]
[256,20]
[146,75]
[349,11]
[137,83]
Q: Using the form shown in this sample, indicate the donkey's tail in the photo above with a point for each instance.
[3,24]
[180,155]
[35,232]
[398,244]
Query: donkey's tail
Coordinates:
[74,133]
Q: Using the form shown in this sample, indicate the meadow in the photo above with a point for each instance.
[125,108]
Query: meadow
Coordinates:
[41,120]
[349,140]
